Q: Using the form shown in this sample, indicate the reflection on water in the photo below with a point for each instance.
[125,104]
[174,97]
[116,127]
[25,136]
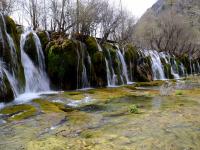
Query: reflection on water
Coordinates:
[156,102]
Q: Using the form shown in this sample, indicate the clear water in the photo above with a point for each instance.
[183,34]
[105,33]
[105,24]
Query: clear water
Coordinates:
[100,121]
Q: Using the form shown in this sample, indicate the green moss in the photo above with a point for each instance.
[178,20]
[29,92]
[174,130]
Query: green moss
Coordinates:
[6,93]
[74,95]
[152,83]
[63,55]
[167,71]
[130,52]
[30,48]
[91,45]
[12,30]
[90,134]
[43,39]
[179,92]
[48,106]
[21,111]
[99,77]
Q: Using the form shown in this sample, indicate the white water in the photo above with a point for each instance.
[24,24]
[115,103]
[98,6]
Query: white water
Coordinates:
[48,36]
[111,76]
[198,65]
[182,69]
[2,67]
[99,47]
[10,76]
[13,82]
[27,97]
[174,69]
[36,78]
[124,67]
[157,67]
[108,73]
[85,81]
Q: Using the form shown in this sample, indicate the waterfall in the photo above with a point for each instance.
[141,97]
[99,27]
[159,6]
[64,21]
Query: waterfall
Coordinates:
[11,79]
[198,65]
[157,67]
[13,82]
[10,76]
[99,47]
[173,64]
[194,70]
[174,69]
[48,36]
[2,66]
[182,69]
[81,58]
[1,34]
[108,73]
[36,78]
[85,81]
[124,67]
[90,65]
[191,70]
[111,76]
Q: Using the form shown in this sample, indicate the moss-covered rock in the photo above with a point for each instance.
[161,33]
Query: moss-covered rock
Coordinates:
[6,93]
[43,39]
[18,112]
[62,64]
[92,46]
[99,70]
[30,48]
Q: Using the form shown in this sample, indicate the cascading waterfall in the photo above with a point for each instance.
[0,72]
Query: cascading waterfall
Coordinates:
[174,69]
[2,66]
[48,36]
[84,77]
[85,81]
[124,67]
[182,69]
[157,67]
[108,73]
[36,78]
[191,68]
[10,74]
[13,82]
[198,65]
[173,64]
[111,76]
[99,47]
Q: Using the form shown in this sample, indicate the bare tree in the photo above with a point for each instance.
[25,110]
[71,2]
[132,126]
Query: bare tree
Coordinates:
[7,6]
[170,32]
[110,21]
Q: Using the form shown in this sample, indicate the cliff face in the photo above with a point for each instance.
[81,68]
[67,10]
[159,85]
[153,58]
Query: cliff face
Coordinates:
[172,26]
[190,9]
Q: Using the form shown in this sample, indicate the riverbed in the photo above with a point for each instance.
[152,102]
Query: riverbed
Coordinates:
[97,119]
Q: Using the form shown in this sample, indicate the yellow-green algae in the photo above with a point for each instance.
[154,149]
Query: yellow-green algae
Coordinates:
[22,111]
[48,106]
[166,122]
[152,83]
